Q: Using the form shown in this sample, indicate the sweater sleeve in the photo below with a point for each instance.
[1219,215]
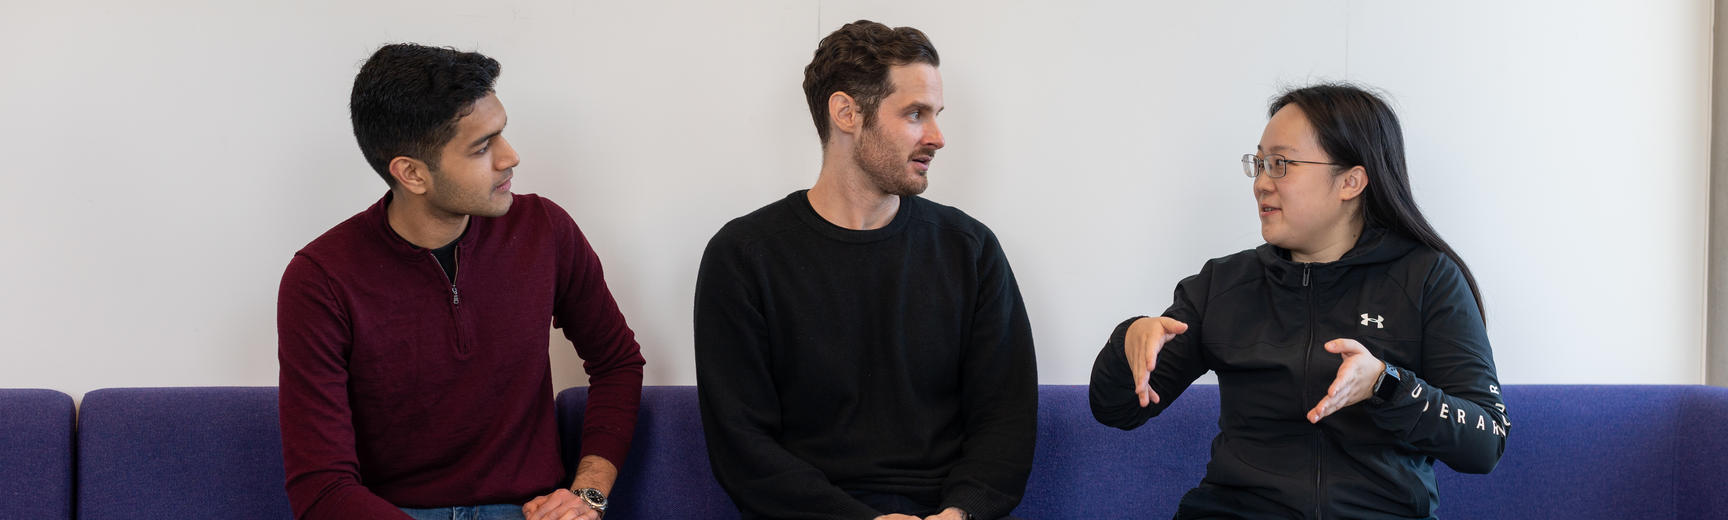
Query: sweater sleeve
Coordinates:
[1180,362]
[1450,409]
[999,396]
[740,406]
[589,317]
[313,343]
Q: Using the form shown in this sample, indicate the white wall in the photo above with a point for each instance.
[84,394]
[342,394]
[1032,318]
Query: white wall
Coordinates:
[161,164]
[1716,330]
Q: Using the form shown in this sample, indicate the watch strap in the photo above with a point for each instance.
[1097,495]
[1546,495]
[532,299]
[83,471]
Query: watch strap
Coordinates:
[1386,385]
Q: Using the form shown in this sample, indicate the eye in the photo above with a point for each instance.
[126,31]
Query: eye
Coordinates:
[482,150]
[913,116]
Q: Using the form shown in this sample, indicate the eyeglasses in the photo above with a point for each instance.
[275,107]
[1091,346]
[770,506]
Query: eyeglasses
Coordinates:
[1274,166]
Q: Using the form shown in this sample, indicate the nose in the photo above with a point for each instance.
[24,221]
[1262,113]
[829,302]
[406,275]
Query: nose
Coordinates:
[1263,184]
[933,135]
[506,157]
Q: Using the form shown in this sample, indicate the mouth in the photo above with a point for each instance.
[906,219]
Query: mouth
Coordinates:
[922,163]
[504,186]
[1266,210]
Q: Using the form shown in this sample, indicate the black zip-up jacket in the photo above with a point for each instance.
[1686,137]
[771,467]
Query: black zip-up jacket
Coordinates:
[1261,321]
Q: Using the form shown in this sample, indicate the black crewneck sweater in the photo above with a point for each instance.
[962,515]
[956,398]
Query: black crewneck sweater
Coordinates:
[833,362]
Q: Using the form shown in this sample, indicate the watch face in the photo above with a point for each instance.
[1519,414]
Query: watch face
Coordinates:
[594,497]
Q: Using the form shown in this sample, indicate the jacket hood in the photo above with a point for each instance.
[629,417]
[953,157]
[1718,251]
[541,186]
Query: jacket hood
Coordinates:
[1376,245]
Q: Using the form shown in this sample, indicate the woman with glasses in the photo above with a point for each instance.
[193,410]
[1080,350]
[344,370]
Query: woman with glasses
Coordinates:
[1350,348]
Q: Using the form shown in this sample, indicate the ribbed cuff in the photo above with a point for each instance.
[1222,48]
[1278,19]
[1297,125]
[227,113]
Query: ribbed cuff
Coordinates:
[975,503]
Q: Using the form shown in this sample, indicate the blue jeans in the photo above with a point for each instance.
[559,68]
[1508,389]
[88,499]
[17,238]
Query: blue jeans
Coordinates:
[491,512]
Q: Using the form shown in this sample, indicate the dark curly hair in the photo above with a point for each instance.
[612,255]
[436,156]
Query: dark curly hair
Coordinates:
[855,60]
[408,97]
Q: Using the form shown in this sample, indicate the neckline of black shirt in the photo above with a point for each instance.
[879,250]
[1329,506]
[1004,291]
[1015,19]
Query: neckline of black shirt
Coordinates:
[800,203]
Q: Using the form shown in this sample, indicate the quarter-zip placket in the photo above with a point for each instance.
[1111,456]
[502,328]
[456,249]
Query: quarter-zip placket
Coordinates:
[455,299]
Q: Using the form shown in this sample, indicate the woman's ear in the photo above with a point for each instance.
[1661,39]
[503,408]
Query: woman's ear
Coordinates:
[1355,181]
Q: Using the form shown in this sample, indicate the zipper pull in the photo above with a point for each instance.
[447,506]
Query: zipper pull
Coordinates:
[1304,276]
[455,296]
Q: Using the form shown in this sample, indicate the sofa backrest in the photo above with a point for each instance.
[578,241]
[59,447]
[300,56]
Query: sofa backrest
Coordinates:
[35,453]
[1575,451]
[1602,451]
[1083,469]
[666,474]
[202,452]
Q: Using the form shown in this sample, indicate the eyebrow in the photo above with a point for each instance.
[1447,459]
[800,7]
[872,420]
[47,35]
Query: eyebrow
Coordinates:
[921,107]
[488,137]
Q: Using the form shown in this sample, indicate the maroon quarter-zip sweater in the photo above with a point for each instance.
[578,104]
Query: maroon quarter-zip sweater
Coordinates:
[401,388]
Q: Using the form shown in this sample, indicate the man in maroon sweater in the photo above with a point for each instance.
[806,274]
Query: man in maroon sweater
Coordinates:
[413,337]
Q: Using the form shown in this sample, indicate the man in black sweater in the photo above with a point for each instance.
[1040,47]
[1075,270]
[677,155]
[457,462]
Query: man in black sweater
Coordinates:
[862,352]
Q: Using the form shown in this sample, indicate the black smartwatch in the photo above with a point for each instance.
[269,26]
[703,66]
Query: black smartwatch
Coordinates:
[1386,385]
[594,498]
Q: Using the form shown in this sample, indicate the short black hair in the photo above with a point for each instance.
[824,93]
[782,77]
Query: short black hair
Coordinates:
[408,97]
[855,59]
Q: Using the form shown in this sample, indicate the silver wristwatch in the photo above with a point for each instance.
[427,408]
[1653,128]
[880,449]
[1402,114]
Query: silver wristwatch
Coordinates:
[594,498]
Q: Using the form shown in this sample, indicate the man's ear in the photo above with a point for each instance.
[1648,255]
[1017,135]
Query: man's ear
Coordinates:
[411,174]
[843,113]
[1355,182]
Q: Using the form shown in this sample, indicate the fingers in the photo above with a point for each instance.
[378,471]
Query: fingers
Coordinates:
[533,506]
[566,510]
[1171,326]
[1144,339]
[1145,393]
[1345,346]
[1163,329]
[554,506]
[1332,402]
[1141,386]
[1340,384]
[1353,384]
[1328,404]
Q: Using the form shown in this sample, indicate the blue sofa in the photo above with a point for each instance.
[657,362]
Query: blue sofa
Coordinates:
[198,452]
[35,454]
[1575,452]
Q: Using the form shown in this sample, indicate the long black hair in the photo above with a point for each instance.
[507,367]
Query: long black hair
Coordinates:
[1356,127]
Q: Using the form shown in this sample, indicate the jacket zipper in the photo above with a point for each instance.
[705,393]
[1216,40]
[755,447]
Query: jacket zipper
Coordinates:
[1307,361]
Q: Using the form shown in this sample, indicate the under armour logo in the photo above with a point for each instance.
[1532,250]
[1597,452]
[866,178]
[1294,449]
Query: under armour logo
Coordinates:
[1378,321]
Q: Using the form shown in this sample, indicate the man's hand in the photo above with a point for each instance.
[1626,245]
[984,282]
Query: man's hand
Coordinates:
[1145,337]
[952,513]
[592,472]
[560,505]
[1355,381]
